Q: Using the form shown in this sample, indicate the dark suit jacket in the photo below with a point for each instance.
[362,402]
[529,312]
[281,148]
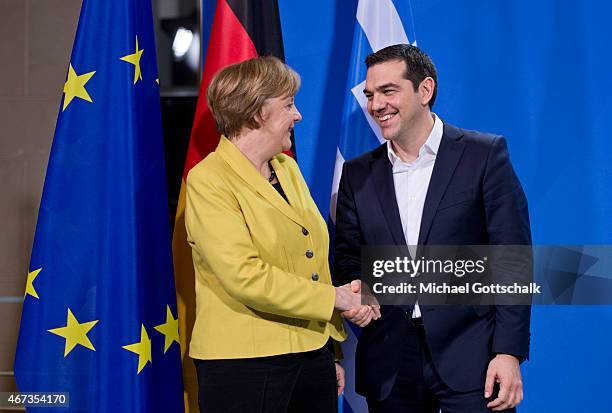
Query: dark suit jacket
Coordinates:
[474,198]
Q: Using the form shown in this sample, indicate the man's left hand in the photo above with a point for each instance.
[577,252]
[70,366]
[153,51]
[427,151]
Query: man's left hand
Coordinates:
[504,369]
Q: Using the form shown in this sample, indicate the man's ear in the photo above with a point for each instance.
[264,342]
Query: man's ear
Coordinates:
[426,89]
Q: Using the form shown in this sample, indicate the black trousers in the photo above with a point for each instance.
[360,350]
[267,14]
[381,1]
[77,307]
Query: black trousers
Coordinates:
[288,383]
[418,387]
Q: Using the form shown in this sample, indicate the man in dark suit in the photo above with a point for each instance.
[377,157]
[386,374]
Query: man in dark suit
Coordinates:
[431,184]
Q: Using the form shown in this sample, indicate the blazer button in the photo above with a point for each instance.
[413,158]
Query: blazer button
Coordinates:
[309,254]
[304,231]
[315,276]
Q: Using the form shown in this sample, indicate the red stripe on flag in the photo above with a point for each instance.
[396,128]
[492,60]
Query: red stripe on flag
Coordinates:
[229,44]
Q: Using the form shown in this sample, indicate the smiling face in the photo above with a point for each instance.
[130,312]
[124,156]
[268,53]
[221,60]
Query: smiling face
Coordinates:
[278,116]
[392,101]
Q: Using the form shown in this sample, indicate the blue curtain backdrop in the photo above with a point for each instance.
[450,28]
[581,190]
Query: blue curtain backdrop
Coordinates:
[538,72]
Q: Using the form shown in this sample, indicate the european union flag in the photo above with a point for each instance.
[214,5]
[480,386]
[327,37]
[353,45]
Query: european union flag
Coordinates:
[99,318]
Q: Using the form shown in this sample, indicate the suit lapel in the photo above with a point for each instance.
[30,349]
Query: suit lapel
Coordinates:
[382,176]
[289,188]
[247,172]
[449,154]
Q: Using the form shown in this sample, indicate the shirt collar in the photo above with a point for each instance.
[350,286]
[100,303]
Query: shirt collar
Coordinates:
[431,145]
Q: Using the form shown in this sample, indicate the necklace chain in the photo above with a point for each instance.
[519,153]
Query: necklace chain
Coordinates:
[272,174]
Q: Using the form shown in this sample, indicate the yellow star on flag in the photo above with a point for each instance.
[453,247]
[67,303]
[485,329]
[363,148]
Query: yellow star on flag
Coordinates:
[75,86]
[30,283]
[169,329]
[75,333]
[142,348]
[134,59]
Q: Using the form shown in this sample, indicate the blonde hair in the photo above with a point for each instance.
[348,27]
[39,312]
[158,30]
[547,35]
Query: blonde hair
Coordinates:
[237,93]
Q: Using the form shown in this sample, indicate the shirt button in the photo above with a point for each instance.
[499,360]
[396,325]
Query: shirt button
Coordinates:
[315,276]
[309,254]
[304,231]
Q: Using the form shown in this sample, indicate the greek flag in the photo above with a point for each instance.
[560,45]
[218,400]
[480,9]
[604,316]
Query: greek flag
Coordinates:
[380,23]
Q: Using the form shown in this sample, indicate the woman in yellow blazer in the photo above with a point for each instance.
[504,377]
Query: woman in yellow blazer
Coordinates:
[266,310]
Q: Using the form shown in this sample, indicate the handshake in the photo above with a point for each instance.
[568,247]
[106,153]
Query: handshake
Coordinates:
[357,306]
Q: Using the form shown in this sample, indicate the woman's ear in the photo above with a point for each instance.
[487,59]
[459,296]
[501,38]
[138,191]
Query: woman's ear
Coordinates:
[262,115]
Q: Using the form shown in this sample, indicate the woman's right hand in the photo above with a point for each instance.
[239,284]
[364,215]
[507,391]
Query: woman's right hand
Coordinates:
[349,301]
[346,298]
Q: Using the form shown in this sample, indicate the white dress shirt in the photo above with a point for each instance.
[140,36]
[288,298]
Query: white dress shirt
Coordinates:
[411,181]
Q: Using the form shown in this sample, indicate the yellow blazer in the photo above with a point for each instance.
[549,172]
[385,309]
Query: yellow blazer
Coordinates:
[263,285]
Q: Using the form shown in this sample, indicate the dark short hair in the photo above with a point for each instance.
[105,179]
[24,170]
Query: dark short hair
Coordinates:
[418,64]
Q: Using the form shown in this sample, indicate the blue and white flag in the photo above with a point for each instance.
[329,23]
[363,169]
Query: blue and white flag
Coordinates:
[380,23]
[99,315]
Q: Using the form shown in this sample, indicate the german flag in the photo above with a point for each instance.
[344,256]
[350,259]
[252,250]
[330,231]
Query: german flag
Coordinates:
[241,30]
